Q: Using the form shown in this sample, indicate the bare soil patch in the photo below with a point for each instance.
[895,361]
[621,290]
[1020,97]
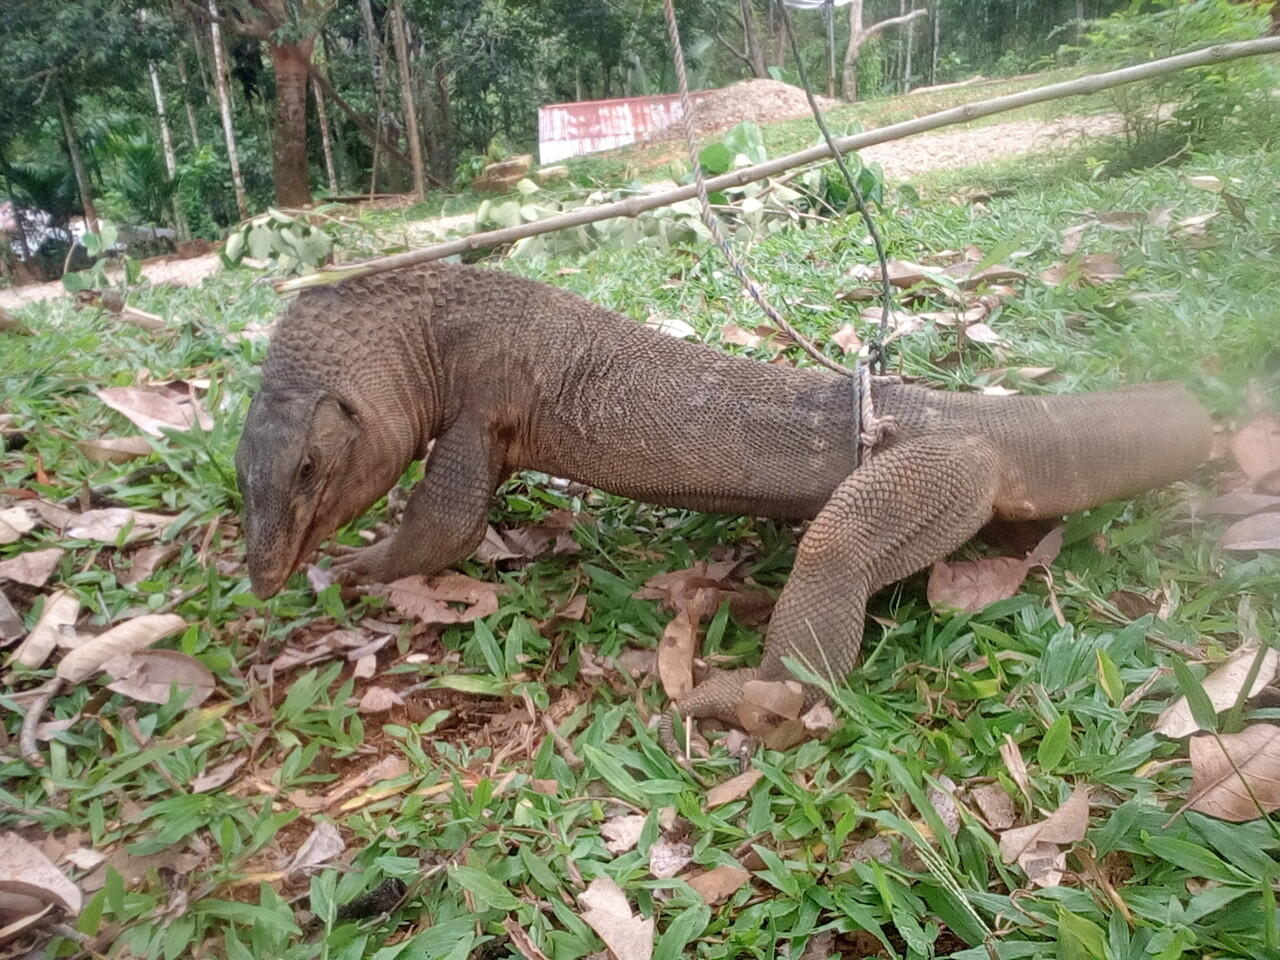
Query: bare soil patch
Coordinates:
[760,101]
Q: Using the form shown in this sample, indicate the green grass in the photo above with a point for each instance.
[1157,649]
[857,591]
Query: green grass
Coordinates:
[488,821]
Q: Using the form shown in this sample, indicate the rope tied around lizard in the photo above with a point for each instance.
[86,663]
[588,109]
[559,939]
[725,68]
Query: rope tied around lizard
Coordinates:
[869,428]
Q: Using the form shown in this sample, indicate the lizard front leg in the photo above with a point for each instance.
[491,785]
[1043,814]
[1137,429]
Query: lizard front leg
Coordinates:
[913,502]
[445,517]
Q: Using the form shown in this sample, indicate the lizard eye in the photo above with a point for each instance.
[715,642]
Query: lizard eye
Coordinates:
[308,468]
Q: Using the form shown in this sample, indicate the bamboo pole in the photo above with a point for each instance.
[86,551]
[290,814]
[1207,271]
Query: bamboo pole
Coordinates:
[633,206]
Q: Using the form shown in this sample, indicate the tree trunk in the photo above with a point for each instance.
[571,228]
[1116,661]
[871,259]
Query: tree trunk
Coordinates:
[444,113]
[751,42]
[224,108]
[937,39]
[289,145]
[829,22]
[377,62]
[396,13]
[186,102]
[858,36]
[170,159]
[323,117]
[77,164]
[906,63]
[849,83]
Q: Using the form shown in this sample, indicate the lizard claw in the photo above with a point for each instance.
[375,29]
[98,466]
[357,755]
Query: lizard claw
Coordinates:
[355,565]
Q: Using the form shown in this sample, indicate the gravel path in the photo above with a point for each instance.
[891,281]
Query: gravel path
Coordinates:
[901,159]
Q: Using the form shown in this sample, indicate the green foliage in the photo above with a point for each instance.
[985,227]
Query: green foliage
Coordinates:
[100,248]
[1186,110]
[290,243]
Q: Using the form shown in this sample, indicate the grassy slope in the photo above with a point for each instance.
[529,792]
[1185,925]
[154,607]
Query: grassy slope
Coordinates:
[936,697]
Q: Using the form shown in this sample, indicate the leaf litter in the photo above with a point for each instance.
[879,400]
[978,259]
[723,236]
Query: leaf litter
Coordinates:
[970,585]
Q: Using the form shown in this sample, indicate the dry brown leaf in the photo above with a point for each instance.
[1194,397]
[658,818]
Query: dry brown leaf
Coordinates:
[114,449]
[718,883]
[493,548]
[379,700]
[218,776]
[1216,785]
[735,788]
[1223,687]
[1133,605]
[429,598]
[1017,767]
[323,844]
[668,857]
[106,525]
[765,702]
[11,625]
[1208,182]
[26,872]
[846,338]
[970,585]
[1256,448]
[171,406]
[32,568]
[981,333]
[671,326]
[1035,847]
[148,675]
[1258,532]
[552,533]
[995,805]
[732,333]
[15,523]
[679,643]
[121,639]
[143,562]
[55,626]
[622,833]
[1240,503]
[606,911]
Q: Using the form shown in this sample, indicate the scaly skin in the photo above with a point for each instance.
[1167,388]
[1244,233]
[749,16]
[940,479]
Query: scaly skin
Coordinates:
[507,374]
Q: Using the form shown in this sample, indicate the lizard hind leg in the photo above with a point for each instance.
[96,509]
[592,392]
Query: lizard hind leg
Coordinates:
[913,502]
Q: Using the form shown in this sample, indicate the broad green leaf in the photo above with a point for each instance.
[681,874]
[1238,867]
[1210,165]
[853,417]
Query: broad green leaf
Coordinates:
[1078,938]
[484,888]
[1201,706]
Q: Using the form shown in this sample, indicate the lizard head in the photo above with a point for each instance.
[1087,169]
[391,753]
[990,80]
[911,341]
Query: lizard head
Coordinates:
[301,469]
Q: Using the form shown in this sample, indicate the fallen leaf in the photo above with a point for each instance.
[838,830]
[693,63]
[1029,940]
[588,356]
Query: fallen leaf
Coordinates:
[1223,687]
[428,598]
[56,625]
[121,639]
[995,805]
[323,844]
[25,871]
[718,883]
[1207,182]
[1017,767]
[169,406]
[143,562]
[106,525]
[735,788]
[846,338]
[1256,448]
[970,585]
[671,326]
[1035,847]
[622,833]
[379,700]
[552,533]
[218,776]
[764,702]
[732,333]
[1258,532]
[522,941]
[11,625]
[606,911]
[15,523]
[981,333]
[32,568]
[150,675]
[1132,605]
[114,449]
[493,548]
[668,857]
[1217,787]
[84,857]
[679,643]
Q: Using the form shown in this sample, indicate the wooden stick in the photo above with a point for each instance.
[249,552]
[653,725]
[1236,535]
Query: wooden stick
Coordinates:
[633,206]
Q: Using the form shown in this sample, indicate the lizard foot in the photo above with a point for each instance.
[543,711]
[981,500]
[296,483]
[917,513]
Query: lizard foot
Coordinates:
[354,565]
[716,697]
